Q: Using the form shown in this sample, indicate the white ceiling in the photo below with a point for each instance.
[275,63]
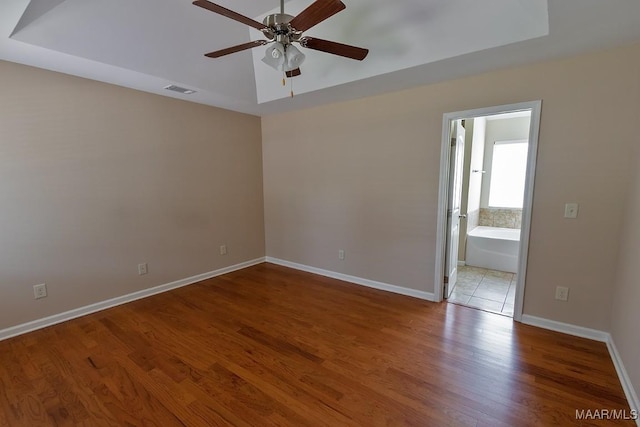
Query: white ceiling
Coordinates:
[404,34]
[149,44]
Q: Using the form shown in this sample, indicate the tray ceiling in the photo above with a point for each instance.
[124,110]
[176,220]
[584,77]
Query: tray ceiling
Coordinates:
[149,44]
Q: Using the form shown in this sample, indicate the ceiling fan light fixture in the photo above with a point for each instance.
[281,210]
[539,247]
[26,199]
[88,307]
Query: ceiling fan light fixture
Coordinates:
[275,56]
[282,30]
[283,57]
[295,58]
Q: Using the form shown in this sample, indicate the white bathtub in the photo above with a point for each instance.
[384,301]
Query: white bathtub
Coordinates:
[494,248]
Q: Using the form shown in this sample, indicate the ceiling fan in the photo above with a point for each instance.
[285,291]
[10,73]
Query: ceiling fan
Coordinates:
[283,30]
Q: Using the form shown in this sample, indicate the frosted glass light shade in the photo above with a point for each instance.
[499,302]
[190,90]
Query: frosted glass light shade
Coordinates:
[275,56]
[295,58]
[283,58]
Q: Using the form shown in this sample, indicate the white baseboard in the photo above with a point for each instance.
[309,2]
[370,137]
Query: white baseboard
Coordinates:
[461,263]
[353,279]
[596,335]
[627,386]
[565,328]
[92,308]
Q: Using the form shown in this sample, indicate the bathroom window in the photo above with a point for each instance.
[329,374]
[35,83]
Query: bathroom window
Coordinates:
[508,171]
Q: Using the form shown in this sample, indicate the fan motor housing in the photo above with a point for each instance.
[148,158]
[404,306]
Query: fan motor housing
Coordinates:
[280,29]
[277,20]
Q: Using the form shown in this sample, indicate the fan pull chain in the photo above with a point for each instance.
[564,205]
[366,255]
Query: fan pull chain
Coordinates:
[291,85]
[283,78]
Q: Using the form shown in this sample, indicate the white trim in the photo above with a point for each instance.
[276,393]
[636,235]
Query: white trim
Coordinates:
[353,279]
[527,207]
[596,335]
[461,263]
[627,386]
[92,308]
[534,129]
[565,328]
[443,200]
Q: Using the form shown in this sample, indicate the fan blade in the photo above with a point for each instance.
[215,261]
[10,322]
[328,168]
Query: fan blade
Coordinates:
[316,13]
[334,48]
[293,73]
[229,14]
[234,49]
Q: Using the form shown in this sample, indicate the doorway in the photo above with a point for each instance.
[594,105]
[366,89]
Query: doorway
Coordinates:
[484,206]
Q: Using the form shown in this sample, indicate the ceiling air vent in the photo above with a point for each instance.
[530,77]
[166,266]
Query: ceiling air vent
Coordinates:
[180,89]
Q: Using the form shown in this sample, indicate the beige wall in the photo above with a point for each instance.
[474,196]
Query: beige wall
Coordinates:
[625,309]
[95,179]
[363,176]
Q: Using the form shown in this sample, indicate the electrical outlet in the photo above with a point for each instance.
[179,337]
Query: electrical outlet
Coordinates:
[571,210]
[341,254]
[39,291]
[223,249]
[562,293]
[142,269]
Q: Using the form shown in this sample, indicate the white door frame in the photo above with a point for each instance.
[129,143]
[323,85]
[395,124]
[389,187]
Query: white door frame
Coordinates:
[534,130]
[454,205]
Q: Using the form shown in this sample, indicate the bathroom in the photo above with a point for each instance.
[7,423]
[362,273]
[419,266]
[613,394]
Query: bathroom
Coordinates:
[493,183]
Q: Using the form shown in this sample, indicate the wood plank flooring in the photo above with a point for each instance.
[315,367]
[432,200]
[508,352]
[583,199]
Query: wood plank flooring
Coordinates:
[272,346]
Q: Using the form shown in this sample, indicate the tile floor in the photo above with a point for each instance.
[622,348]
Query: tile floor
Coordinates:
[485,289]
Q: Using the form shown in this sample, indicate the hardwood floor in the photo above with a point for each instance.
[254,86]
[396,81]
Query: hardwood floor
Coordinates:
[272,346]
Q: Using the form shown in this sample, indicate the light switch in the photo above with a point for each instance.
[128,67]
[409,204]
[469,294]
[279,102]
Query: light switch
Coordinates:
[571,210]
